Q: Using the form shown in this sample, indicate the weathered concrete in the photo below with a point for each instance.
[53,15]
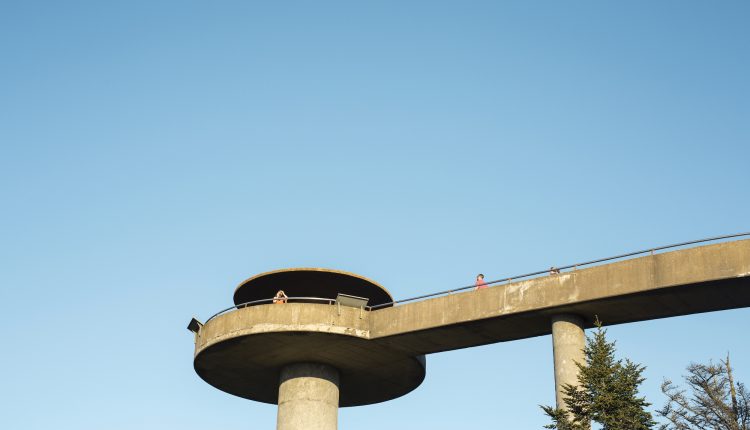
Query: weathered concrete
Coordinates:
[380,354]
[568,341]
[308,397]
[688,281]
[242,352]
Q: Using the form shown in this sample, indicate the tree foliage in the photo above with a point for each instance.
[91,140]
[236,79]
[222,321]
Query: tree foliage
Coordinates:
[712,401]
[607,392]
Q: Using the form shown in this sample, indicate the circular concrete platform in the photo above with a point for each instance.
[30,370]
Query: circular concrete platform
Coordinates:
[242,352]
[310,282]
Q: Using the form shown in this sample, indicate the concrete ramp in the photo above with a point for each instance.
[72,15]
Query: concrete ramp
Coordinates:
[702,279]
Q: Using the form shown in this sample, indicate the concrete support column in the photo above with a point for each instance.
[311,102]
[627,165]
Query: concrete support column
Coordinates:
[568,341]
[308,397]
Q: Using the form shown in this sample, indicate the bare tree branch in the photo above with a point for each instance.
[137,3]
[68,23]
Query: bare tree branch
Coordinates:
[712,400]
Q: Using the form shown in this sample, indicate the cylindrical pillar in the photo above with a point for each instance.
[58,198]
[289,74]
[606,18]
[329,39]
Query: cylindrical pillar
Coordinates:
[568,341]
[308,397]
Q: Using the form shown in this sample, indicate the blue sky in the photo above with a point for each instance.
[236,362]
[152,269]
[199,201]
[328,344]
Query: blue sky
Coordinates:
[155,154]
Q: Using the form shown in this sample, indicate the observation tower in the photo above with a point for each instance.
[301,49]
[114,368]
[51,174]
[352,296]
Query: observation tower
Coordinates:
[308,355]
[339,341]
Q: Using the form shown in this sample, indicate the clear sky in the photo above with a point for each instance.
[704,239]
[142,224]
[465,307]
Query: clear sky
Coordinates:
[156,153]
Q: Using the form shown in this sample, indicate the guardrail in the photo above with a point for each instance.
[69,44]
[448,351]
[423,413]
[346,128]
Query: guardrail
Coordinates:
[508,279]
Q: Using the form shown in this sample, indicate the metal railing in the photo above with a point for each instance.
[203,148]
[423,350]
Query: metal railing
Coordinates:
[508,279]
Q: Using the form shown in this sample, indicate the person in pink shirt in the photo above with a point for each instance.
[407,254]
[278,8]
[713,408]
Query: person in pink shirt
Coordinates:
[480,282]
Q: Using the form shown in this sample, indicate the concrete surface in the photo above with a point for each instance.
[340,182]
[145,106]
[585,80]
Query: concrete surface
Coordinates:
[242,352]
[688,281]
[308,397]
[380,354]
[568,341]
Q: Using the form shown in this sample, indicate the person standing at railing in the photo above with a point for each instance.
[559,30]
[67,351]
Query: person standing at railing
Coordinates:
[280,297]
[480,282]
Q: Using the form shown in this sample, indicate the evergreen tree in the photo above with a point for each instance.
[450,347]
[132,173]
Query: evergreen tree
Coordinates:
[715,401]
[607,392]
